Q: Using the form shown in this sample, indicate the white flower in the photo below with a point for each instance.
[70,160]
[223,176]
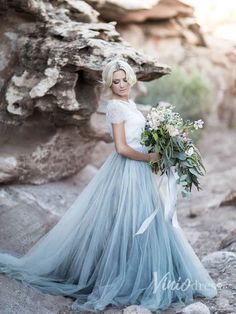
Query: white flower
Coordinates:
[172,130]
[156,123]
[154,118]
[161,119]
[198,124]
[189,151]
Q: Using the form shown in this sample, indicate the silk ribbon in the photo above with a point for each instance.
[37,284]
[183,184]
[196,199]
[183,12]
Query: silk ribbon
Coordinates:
[169,201]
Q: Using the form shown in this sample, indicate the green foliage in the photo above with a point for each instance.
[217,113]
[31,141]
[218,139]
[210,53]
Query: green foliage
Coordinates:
[189,93]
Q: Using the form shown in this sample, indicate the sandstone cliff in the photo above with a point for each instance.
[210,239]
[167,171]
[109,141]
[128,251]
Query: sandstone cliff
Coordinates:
[53,54]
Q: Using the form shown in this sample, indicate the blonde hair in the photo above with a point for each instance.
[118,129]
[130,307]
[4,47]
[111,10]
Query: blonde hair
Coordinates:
[116,65]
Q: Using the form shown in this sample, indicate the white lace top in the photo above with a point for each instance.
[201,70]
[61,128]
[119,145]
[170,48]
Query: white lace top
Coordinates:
[134,121]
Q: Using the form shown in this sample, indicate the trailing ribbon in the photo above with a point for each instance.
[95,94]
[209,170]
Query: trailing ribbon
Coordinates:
[169,200]
[146,223]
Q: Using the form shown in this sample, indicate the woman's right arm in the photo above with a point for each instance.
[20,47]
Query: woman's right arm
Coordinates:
[124,149]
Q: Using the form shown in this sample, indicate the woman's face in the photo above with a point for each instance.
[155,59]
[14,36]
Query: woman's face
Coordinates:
[120,86]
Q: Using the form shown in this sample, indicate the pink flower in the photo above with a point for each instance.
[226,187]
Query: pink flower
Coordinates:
[172,130]
[185,137]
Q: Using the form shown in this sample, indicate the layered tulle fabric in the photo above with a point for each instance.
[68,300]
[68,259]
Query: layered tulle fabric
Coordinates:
[93,255]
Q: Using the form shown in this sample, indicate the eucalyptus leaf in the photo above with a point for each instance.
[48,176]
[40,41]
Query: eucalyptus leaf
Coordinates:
[193,171]
[182,156]
[183,177]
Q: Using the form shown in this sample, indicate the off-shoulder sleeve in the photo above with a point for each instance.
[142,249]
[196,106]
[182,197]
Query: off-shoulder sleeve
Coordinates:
[115,113]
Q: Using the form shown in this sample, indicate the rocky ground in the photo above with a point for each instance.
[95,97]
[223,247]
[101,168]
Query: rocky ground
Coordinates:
[28,211]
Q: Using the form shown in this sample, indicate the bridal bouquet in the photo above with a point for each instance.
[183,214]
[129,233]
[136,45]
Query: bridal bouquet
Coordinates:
[167,134]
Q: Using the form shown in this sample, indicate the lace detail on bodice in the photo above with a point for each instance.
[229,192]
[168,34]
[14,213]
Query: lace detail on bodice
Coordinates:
[115,113]
[126,111]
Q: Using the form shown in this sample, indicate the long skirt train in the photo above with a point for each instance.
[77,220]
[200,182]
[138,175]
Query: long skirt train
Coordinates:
[93,255]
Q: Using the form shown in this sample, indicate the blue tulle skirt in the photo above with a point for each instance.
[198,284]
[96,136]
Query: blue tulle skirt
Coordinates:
[93,255]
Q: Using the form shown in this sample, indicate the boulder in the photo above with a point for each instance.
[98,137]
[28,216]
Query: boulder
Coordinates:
[229,241]
[139,11]
[196,308]
[136,309]
[229,200]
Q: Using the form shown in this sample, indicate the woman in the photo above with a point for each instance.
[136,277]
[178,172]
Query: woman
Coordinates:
[95,253]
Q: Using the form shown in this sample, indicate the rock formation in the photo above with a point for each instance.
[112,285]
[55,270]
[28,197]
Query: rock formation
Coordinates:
[161,19]
[53,55]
